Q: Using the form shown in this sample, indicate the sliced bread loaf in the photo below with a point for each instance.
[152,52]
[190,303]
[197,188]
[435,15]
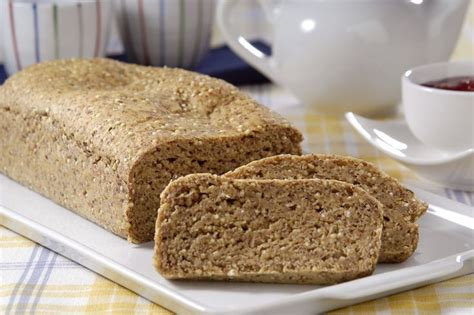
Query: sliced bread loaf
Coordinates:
[283,231]
[400,206]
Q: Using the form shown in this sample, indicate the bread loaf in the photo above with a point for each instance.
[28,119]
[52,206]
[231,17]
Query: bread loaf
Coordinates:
[103,138]
[287,231]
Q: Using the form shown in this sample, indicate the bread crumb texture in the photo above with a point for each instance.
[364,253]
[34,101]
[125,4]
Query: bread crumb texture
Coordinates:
[400,206]
[287,231]
[103,138]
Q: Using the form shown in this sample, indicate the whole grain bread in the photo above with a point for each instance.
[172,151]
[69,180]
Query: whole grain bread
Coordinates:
[401,208]
[287,231]
[103,138]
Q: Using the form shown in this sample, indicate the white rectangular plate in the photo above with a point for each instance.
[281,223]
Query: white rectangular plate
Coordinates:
[445,250]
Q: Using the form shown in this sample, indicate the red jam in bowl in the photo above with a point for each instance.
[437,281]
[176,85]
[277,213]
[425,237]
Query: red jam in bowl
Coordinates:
[464,83]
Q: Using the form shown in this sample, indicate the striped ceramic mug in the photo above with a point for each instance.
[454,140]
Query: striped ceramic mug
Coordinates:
[174,33]
[39,30]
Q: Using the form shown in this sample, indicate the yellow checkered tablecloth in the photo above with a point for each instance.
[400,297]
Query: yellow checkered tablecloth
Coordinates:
[34,279]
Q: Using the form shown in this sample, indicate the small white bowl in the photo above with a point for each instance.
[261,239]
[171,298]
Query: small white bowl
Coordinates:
[440,118]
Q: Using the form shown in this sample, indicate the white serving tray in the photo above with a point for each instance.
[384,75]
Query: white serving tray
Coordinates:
[445,250]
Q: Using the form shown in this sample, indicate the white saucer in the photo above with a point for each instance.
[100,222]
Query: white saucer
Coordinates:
[394,138]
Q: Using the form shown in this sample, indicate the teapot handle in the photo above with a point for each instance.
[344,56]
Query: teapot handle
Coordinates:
[242,47]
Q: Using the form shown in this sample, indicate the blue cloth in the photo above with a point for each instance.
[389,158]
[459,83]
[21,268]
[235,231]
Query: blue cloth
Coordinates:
[221,63]
[3,75]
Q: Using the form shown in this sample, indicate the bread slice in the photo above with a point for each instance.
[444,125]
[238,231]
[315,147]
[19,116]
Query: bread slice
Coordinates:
[286,231]
[104,138]
[401,208]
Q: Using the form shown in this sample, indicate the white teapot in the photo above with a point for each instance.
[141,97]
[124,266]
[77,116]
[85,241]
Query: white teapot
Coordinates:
[348,55]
